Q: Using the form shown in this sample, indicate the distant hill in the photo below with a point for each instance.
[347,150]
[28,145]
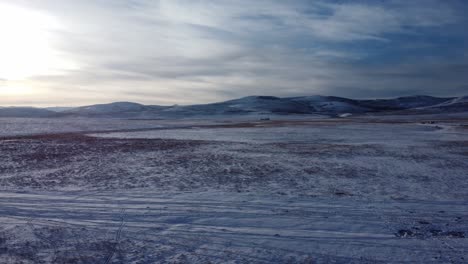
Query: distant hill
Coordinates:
[455,104]
[332,104]
[323,105]
[117,107]
[58,109]
[245,105]
[27,112]
[403,103]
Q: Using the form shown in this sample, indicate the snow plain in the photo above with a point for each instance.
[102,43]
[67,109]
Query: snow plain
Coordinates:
[354,190]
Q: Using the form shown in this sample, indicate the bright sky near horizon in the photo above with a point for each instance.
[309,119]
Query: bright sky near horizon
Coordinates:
[57,53]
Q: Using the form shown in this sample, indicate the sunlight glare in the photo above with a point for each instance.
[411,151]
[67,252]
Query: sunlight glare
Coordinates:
[15,90]
[26,44]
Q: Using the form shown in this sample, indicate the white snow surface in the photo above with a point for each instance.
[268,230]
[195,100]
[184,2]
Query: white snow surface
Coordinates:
[366,133]
[219,227]
[349,190]
[32,126]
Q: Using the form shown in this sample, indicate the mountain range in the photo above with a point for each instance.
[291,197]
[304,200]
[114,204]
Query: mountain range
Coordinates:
[324,105]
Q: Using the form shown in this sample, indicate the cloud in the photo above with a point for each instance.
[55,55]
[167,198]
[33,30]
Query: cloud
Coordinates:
[371,21]
[181,51]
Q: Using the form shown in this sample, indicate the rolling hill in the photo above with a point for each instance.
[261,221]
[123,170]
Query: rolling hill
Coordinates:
[263,105]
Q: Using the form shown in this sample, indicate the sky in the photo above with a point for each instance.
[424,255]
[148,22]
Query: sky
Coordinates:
[70,53]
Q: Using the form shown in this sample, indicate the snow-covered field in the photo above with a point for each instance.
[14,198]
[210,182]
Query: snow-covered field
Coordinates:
[222,191]
[29,126]
[37,126]
[34,126]
[219,227]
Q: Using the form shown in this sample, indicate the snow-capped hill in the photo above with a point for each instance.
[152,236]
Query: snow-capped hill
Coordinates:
[312,98]
[458,100]
[268,104]
[245,105]
[27,112]
[317,104]
[58,109]
[419,101]
[99,109]
[455,104]
[403,103]
[331,104]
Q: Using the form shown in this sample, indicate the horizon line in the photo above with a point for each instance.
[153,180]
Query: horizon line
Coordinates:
[236,98]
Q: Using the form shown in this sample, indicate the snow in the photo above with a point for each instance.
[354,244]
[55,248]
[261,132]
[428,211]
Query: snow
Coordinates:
[457,101]
[108,108]
[220,227]
[376,189]
[31,126]
[312,132]
[305,105]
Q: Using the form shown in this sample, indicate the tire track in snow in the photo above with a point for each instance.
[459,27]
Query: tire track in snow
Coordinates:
[117,236]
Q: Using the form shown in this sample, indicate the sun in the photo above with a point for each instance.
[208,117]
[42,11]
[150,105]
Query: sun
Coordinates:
[26,46]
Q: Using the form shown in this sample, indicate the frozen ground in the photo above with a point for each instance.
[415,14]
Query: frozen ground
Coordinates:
[219,227]
[37,126]
[34,126]
[361,190]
